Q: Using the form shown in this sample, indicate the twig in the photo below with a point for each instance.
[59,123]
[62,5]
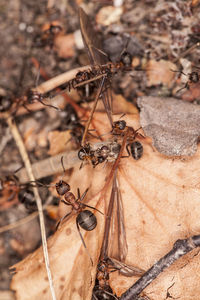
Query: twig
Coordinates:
[180,248]
[59,80]
[50,166]
[19,222]
[27,164]
[92,111]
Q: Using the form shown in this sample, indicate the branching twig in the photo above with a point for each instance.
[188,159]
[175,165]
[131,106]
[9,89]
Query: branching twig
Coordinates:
[180,248]
[27,164]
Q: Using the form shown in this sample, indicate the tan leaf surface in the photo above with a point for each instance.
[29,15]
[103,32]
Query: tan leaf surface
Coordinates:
[161,204]
[58,141]
[159,72]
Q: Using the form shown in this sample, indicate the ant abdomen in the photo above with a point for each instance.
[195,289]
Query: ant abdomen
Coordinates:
[136,150]
[87,220]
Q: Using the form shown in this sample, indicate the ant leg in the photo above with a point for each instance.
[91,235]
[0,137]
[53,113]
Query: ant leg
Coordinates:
[81,165]
[83,241]
[127,149]
[28,110]
[186,86]
[181,72]
[92,208]
[12,196]
[84,194]
[138,134]
[57,108]
[60,221]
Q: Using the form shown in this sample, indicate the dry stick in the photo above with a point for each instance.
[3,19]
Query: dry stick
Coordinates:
[180,248]
[92,111]
[50,166]
[19,222]
[64,95]
[59,80]
[186,52]
[27,164]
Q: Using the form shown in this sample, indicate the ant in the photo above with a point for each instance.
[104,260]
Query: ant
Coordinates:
[88,155]
[31,97]
[85,218]
[96,72]
[10,187]
[108,152]
[120,129]
[71,121]
[103,290]
[5,103]
[193,77]
[48,34]
[53,29]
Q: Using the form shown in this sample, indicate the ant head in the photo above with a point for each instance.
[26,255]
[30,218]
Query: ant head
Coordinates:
[194,77]
[101,159]
[121,125]
[5,103]
[33,96]
[84,151]
[102,266]
[126,59]
[55,29]
[62,187]
[82,154]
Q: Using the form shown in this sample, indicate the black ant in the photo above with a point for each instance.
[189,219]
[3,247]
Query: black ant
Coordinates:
[48,34]
[85,218]
[193,77]
[103,290]
[107,152]
[120,129]
[5,103]
[88,155]
[33,96]
[10,184]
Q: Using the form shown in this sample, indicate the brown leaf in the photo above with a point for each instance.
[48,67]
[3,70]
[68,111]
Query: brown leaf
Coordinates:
[58,141]
[161,204]
[108,15]
[160,72]
[64,45]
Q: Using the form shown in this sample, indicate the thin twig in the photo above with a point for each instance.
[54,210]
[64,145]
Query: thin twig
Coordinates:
[59,80]
[92,111]
[50,166]
[24,155]
[22,221]
[19,222]
[180,248]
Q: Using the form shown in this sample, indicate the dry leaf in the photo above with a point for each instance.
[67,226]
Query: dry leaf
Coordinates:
[64,45]
[108,15]
[160,72]
[58,141]
[161,204]
[193,93]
